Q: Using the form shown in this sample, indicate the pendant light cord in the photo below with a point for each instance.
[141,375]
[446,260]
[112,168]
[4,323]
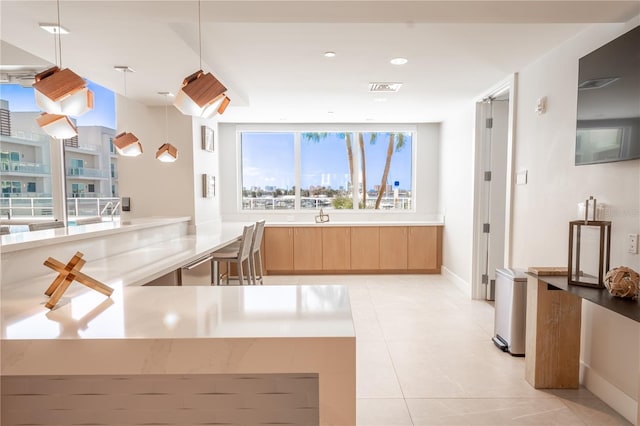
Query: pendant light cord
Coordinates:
[58,32]
[166,116]
[55,49]
[199,34]
[124,76]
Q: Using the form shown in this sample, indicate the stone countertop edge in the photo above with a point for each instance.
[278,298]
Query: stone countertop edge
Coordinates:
[26,240]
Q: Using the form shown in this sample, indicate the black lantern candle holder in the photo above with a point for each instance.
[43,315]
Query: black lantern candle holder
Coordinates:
[589,248]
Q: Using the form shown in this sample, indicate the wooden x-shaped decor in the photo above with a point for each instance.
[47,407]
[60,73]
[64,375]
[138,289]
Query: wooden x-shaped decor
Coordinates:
[66,275]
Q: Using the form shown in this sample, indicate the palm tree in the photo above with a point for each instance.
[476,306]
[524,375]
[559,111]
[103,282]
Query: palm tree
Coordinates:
[397,140]
[373,137]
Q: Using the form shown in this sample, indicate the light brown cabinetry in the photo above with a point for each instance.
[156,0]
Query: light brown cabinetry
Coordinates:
[393,247]
[307,245]
[365,248]
[352,249]
[424,248]
[278,249]
[336,248]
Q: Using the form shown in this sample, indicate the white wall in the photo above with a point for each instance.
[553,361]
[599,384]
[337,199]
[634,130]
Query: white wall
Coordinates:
[167,189]
[543,207]
[456,193]
[155,188]
[426,179]
[207,210]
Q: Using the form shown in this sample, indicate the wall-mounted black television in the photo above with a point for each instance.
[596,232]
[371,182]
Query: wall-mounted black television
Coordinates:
[608,125]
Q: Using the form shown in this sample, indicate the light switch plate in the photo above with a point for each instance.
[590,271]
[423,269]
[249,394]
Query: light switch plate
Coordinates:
[521,178]
[632,244]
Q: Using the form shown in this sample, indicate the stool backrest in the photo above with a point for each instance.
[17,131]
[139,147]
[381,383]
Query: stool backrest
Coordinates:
[245,244]
[257,236]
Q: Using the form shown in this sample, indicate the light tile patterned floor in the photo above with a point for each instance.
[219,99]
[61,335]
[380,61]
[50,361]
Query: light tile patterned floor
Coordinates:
[425,357]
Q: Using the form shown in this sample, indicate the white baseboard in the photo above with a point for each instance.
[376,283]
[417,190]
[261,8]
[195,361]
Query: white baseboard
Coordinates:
[611,395]
[464,286]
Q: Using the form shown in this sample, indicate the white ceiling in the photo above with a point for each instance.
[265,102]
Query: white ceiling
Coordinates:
[269,54]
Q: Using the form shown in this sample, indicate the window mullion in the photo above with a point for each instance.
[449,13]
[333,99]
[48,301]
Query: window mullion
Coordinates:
[355,179]
[298,179]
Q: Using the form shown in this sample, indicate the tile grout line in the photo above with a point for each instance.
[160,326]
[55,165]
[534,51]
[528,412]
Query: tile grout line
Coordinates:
[395,373]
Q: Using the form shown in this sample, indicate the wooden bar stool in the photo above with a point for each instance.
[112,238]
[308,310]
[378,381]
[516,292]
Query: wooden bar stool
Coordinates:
[255,259]
[238,254]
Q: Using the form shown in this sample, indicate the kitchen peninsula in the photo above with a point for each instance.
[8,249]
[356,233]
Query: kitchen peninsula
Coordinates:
[183,352]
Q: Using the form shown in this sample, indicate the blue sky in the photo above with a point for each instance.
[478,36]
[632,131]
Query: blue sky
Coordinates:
[268,160]
[103,114]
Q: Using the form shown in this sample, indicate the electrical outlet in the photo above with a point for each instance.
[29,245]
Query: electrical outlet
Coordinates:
[633,243]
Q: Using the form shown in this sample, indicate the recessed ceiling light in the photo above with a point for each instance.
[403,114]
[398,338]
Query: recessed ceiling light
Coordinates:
[329,112]
[399,61]
[54,29]
[329,54]
[166,94]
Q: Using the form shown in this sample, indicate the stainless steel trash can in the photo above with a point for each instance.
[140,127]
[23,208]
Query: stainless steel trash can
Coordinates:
[510,310]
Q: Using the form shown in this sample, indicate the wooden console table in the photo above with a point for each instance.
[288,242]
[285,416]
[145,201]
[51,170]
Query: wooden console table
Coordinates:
[553,329]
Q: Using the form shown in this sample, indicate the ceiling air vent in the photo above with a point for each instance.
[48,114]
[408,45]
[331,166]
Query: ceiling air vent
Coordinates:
[597,83]
[384,87]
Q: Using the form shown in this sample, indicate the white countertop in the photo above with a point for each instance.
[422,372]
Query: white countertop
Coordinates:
[136,267]
[184,313]
[25,240]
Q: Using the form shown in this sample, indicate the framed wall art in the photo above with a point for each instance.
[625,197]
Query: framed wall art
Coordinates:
[207,138]
[208,186]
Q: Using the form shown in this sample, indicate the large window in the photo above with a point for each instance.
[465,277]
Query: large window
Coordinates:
[333,170]
[385,159]
[326,167]
[268,171]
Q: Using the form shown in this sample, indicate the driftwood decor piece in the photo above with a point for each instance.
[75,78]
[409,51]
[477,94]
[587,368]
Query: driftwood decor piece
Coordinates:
[66,275]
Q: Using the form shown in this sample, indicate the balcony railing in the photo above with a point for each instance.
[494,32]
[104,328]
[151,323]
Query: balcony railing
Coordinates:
[313,203]
[28,136]
[21,207]
[25,167]
[85,172]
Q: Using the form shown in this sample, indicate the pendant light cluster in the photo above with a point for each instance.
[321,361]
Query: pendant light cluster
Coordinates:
[201,94]
[61,93]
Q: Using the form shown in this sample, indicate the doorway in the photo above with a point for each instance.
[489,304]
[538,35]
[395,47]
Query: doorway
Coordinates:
[492,188]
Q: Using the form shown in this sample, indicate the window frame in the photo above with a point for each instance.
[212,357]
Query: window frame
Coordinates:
[297,130]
